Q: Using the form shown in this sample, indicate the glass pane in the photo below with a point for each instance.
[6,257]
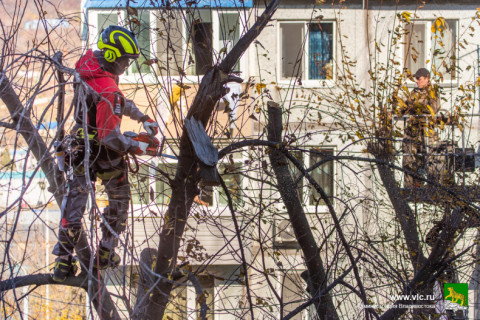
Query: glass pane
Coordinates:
[140,185]
[296,173]
[229,31]
[163,191]
[105,20]
[415,46]
[444,33]
[291,38]
[170,43]
[142,31]
[320,53]
[292,291]
[323,175]
[233,181]
[200,46]
[208,285]
[177,305]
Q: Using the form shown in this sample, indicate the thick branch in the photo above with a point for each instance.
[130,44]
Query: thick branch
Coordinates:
[41,279]
[27,129]
[404,215]
[286,186]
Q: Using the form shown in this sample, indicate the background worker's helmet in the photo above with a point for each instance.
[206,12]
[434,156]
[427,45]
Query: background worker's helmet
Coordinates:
[118,42]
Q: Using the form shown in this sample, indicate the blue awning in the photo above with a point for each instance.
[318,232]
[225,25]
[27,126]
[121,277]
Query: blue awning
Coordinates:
[92,4]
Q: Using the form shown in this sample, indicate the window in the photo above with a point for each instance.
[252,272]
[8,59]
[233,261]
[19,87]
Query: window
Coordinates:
[140,185]
[293,295]
[141,29]
[432,45]
[322,174]
[313,61]
[231,174]
[106,19]
[191,48]
[185,44]
[163,191]
[208,285]
[177,306]
[199,43]
[152,184]
[170,43]
[228,33]
[233,180]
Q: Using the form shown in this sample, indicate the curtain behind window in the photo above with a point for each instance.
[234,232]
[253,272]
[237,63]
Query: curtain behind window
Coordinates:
[320,51]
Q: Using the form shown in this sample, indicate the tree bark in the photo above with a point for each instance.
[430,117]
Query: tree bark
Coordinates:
[286,186]
[28,131]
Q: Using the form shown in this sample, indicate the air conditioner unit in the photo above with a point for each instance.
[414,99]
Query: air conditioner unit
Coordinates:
[283,235]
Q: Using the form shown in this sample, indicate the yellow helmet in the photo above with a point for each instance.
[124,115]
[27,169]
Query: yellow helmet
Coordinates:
[118,42]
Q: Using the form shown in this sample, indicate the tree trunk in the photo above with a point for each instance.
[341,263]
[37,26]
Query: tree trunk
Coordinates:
[286,186]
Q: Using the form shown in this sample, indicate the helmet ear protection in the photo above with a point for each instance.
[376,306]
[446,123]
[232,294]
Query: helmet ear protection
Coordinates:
[109,54]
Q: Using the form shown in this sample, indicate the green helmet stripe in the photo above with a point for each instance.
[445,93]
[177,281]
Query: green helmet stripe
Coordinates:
[128,45]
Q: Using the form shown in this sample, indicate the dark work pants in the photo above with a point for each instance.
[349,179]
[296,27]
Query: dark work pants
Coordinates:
[74,204]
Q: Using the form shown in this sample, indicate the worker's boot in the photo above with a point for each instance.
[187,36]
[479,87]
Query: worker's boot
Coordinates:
[106,258]
[63,268]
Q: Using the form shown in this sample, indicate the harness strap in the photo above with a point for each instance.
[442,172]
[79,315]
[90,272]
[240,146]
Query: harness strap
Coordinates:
[135,160]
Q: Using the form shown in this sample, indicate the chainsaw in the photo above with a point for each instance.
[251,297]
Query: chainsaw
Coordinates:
[153,148]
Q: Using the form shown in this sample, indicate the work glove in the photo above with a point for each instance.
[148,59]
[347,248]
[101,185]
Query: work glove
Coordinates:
[150,126]
[142,149]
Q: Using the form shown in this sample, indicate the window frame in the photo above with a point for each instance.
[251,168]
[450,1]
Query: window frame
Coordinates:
[427,23]
[214,14]
[307,83]
[94,30]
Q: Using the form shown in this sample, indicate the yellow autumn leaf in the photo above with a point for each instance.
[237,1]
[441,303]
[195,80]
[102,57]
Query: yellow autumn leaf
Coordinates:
[431,110]
[260,86]
[406,15]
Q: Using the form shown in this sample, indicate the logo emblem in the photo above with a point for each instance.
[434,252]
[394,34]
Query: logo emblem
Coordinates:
[455,296]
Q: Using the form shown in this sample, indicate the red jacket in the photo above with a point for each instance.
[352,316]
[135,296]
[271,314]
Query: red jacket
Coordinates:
[108,107]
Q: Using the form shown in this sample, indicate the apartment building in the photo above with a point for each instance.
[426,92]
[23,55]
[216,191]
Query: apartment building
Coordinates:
[331,67]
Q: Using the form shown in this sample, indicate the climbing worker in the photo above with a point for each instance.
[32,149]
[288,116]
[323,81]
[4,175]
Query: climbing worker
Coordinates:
[105,106]
[421,107]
